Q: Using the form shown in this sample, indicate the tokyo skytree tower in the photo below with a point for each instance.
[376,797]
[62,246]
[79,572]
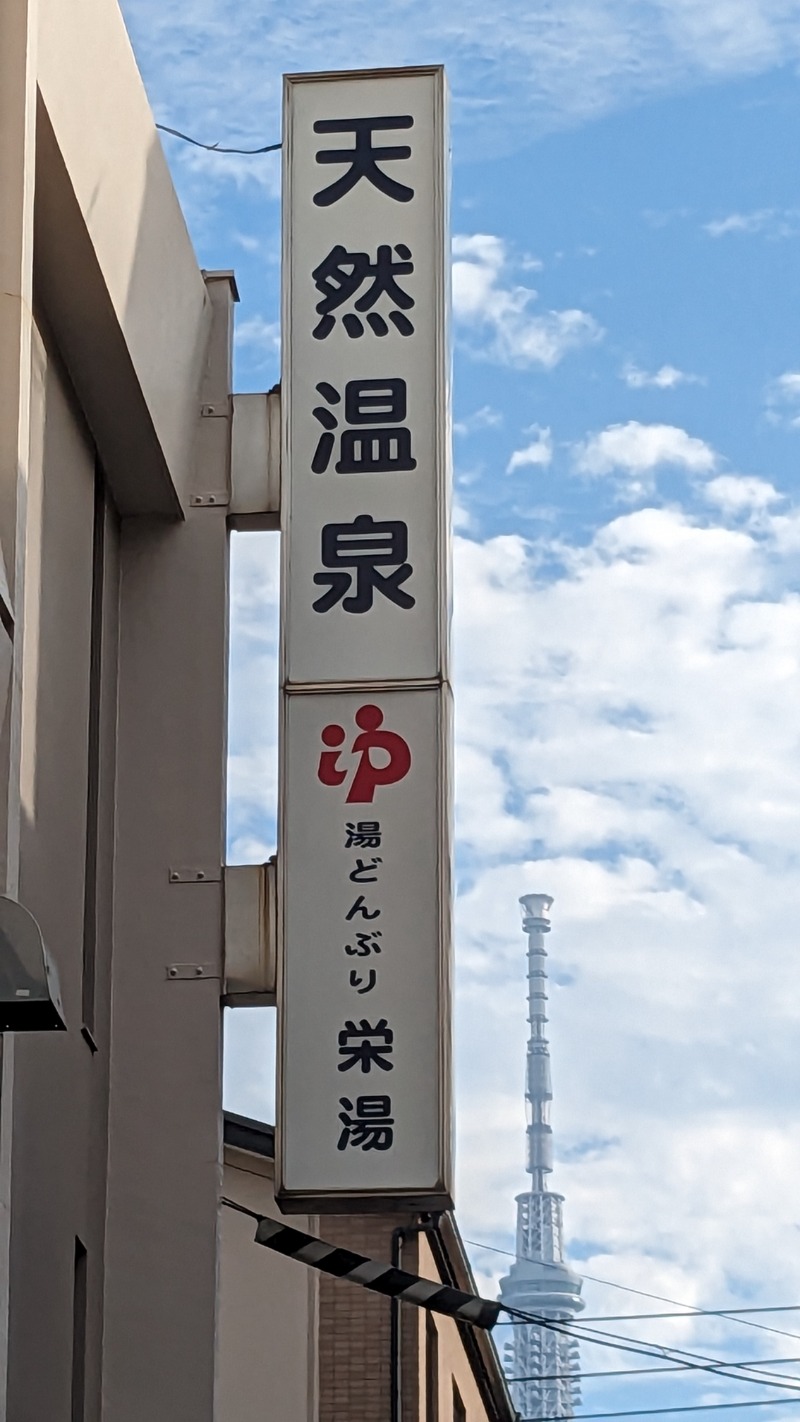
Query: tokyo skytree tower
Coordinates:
[539,1281]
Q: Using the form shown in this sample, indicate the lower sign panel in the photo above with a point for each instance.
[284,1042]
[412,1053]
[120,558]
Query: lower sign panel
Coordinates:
[364,1112]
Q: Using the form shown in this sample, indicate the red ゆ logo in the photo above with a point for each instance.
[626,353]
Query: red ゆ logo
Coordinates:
[367,776]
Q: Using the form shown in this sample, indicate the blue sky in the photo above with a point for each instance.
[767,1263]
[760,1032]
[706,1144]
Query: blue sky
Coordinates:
[626,219]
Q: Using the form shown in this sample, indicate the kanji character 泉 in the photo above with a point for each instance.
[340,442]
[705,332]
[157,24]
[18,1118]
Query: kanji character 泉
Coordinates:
[359,907]
[357,982]
[364,834]
[365,873]
[364,546]
[341,274]
[357,1048]
[371,1128]
[366,943]
[363,159]
[386,450]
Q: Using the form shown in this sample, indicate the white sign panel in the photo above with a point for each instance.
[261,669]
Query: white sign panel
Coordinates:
[364,387]
[364,991]
[364,835]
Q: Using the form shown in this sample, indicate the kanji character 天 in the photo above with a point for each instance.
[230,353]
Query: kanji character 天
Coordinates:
[341,274]
[385,450]
[364,834]
[363,159]
[365,873]
[366,943]
[371,1127]
[364,545]
[357,1048]
[357,982]
[359,907]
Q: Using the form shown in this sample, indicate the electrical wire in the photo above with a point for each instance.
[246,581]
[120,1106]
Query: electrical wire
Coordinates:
[708,1312]
[661,1298]
[216,147]
[241,1209]
[695,1407]
[699,1361]
[677,1367]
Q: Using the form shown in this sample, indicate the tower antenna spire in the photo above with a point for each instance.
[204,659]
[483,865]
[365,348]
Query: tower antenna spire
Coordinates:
[539,1281]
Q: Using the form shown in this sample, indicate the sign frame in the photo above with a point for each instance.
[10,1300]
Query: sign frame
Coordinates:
[428,675]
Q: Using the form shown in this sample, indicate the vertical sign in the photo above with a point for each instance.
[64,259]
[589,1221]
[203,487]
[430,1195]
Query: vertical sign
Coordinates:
[364,835]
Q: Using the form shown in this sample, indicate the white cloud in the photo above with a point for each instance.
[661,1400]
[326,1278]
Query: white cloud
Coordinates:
[516,72]
[483,419]
[255,331]
[667,377]
[634,741]
[740,493]
[498,313]
[782,400]
[538,453]
[774,222]
[634,451]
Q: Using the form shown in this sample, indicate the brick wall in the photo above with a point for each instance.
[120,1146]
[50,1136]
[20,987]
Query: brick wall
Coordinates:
[354,1334]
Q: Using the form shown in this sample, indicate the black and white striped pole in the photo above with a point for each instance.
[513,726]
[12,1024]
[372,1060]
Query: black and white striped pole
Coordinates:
[384,1279]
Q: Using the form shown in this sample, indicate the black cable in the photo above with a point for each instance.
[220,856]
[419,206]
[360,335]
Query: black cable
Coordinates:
[627,1345]
[643,1293]
[656,1411]
[677,1367]
[242,1209]
[708,1312]
[216,147]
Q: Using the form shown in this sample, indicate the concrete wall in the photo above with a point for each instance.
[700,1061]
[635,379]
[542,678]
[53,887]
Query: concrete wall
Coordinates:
[266,1350]
[112,748]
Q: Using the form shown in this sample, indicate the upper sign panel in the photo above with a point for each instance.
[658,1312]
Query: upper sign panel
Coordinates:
[364,389]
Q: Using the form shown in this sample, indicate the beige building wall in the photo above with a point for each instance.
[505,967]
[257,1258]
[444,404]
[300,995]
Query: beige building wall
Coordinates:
[113,591]
[266,1347]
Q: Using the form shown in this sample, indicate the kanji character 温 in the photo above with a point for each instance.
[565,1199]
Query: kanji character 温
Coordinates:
[371,1127]
[357,982]
[357,1048]
[364,546]
[385,450]
[363,159]
[341,274]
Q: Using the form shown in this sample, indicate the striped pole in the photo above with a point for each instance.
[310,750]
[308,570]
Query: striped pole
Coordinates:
[382,1278]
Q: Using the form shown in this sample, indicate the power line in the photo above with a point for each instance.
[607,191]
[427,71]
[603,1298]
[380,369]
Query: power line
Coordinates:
[696,1407]
[661,1298]
[627,1345]
[708,1312]
[677,1367]
[216,147]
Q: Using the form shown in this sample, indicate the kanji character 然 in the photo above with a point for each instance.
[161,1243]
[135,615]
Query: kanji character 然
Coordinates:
[363,159]
[364,546]
[366,943]
[383,450]
[371,1128]
[340,276]
[362,985]
[357,1048]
